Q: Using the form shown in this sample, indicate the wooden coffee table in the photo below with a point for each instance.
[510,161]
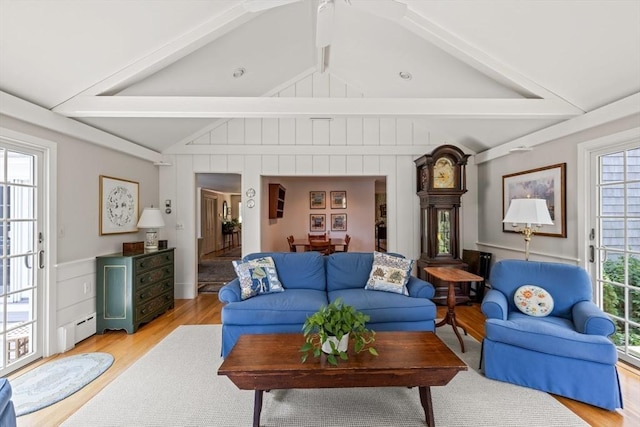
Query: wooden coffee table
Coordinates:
[406,359]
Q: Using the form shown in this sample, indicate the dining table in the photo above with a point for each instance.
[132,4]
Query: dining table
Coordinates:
[304,244]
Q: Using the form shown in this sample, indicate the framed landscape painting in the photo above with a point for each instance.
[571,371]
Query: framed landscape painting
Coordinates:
[546,183]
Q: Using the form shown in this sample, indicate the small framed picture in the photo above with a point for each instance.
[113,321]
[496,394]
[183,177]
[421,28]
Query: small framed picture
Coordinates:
[338,200]
[317,222]
[317,199]
[338,222]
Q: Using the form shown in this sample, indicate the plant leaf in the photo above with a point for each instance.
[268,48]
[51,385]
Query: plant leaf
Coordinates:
[373,351]
[332,359]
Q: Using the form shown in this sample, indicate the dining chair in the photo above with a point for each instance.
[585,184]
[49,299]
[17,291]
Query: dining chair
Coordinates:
[322,246]
[345,247]
[317,236]
[292,247]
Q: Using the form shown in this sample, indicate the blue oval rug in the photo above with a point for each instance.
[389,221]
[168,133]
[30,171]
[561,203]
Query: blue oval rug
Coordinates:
[55,380]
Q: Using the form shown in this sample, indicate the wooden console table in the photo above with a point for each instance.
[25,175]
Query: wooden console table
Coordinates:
[452,276]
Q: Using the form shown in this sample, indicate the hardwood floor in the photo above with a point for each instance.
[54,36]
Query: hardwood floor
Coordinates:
[205,309]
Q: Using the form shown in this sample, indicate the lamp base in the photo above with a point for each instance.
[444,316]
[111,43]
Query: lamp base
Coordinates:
[151,242]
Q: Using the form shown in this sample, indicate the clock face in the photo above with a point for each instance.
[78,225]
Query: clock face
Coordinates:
[443,173]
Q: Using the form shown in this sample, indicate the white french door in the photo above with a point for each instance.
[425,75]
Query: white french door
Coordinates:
[21,255]
[614,240]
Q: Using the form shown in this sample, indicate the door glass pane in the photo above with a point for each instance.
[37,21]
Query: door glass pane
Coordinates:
[21,202]
[20,168]
[633,165]
[612,167]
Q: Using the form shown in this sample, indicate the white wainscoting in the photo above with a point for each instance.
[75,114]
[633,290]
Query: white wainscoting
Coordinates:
[76,287]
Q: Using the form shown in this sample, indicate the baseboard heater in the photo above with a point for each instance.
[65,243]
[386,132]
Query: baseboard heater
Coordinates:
[74,332]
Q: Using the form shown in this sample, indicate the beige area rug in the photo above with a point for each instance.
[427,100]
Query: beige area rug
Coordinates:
[176,384]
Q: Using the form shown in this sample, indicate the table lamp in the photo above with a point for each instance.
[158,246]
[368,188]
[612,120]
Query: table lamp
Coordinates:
[531,213]
[151,218]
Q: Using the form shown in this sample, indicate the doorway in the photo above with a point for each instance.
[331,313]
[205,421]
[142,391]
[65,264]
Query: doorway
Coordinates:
[219,231]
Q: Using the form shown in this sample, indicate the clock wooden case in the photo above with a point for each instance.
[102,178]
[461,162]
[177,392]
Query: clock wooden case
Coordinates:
[441,182]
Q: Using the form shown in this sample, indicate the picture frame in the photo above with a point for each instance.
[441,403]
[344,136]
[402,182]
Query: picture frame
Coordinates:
[317,199]
[317,222]
[339,222]
[119,205]
[338,200]
[548,183]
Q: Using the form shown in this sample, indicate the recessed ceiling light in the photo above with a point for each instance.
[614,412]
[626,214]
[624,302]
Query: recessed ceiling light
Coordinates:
[239,72]
[405,75]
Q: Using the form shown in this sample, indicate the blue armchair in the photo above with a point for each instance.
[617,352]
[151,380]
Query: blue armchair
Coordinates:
[565,353]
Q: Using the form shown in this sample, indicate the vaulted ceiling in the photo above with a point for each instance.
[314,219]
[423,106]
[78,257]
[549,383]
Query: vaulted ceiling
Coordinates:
[483,73]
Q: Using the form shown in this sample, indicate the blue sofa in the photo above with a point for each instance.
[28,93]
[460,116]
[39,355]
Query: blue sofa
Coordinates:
[7,411]
[565,353]
[311,280]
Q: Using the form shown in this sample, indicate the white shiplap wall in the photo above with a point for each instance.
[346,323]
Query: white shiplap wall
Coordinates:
[299,147]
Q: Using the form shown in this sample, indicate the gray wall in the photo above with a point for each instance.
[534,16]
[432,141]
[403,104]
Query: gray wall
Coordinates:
[492,239]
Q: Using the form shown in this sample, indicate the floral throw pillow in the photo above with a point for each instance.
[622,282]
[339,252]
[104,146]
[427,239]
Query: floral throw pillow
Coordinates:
[389,273]
[533,300]
[258,276]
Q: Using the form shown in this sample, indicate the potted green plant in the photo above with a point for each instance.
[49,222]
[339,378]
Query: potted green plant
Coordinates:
[329,329]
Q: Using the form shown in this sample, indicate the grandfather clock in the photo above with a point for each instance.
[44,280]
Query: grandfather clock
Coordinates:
[441,182]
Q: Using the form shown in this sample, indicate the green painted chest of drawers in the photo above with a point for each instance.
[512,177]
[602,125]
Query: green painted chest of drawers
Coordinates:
[132,290]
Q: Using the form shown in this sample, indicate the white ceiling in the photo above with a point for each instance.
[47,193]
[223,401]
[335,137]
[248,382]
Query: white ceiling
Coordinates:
[555,59]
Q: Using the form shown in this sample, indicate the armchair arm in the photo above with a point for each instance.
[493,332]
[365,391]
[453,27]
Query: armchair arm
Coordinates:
[419,288]
[494,305]
[230,292]
[589,319]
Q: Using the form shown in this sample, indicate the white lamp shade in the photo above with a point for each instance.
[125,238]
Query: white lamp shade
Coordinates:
[528,211]
[151,218]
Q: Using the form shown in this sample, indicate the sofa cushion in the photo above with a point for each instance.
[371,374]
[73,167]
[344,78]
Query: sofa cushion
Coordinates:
[386,306]
[290,307]
[389,273]
[348,270]
[533,300]
[550,335]
[297,270]
[257,276]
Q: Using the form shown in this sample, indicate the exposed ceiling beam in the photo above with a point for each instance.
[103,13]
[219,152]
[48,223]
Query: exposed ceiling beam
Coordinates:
[619,110]
[187,43]
[259,107]
[17,108]
[474,57]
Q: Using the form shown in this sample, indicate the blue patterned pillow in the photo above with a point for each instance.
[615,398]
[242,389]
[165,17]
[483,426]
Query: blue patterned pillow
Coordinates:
[258,276]
[389,273]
